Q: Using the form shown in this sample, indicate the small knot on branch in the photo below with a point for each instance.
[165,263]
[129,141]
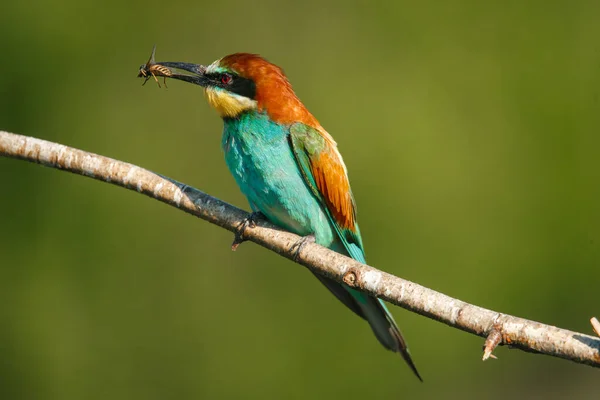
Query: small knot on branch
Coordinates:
[493,340]
[350,278]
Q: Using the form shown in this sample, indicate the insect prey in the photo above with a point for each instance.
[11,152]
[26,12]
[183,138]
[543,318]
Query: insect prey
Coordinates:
[151,69]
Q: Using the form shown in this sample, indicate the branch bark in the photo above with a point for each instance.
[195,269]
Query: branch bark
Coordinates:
[498,328]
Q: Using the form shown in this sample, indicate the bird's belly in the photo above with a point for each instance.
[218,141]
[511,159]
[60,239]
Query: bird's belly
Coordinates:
[269,177]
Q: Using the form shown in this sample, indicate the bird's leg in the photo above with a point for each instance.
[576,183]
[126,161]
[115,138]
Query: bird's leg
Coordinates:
[248,222]
[297,247]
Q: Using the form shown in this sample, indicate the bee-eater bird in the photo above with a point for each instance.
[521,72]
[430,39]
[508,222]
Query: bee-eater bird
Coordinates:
[289,168]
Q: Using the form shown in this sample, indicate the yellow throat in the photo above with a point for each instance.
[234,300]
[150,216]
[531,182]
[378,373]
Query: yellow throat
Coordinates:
[228,104]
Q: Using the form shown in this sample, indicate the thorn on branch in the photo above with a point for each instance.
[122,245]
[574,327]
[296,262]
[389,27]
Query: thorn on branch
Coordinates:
[493,340]
[595,325]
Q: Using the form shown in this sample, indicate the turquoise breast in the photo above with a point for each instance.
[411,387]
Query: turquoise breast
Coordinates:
[259,156]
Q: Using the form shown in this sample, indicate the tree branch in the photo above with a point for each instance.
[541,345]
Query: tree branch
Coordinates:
[498,328]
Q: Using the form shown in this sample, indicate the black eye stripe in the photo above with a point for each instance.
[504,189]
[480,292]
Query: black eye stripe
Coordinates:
[215,77]
[238,85]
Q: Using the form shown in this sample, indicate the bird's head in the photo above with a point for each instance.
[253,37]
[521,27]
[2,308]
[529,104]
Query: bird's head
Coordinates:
[244,82]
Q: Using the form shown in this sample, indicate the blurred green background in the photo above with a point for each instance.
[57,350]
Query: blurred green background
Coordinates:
[471,133]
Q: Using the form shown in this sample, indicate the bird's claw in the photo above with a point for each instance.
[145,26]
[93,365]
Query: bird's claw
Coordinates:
[297,247]
[248,222]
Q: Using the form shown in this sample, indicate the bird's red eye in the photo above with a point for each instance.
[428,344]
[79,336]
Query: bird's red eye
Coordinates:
[226,79]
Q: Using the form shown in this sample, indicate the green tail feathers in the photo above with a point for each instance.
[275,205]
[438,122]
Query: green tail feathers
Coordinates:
[376,314]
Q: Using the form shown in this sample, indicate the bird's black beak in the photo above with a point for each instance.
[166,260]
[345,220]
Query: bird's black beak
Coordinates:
[196,73]
[165,69]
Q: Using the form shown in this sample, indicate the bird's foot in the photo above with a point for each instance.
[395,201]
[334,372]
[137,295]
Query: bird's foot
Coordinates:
[297,247]
[248,222]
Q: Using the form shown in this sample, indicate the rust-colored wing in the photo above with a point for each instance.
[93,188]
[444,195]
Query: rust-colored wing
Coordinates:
[324,171]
